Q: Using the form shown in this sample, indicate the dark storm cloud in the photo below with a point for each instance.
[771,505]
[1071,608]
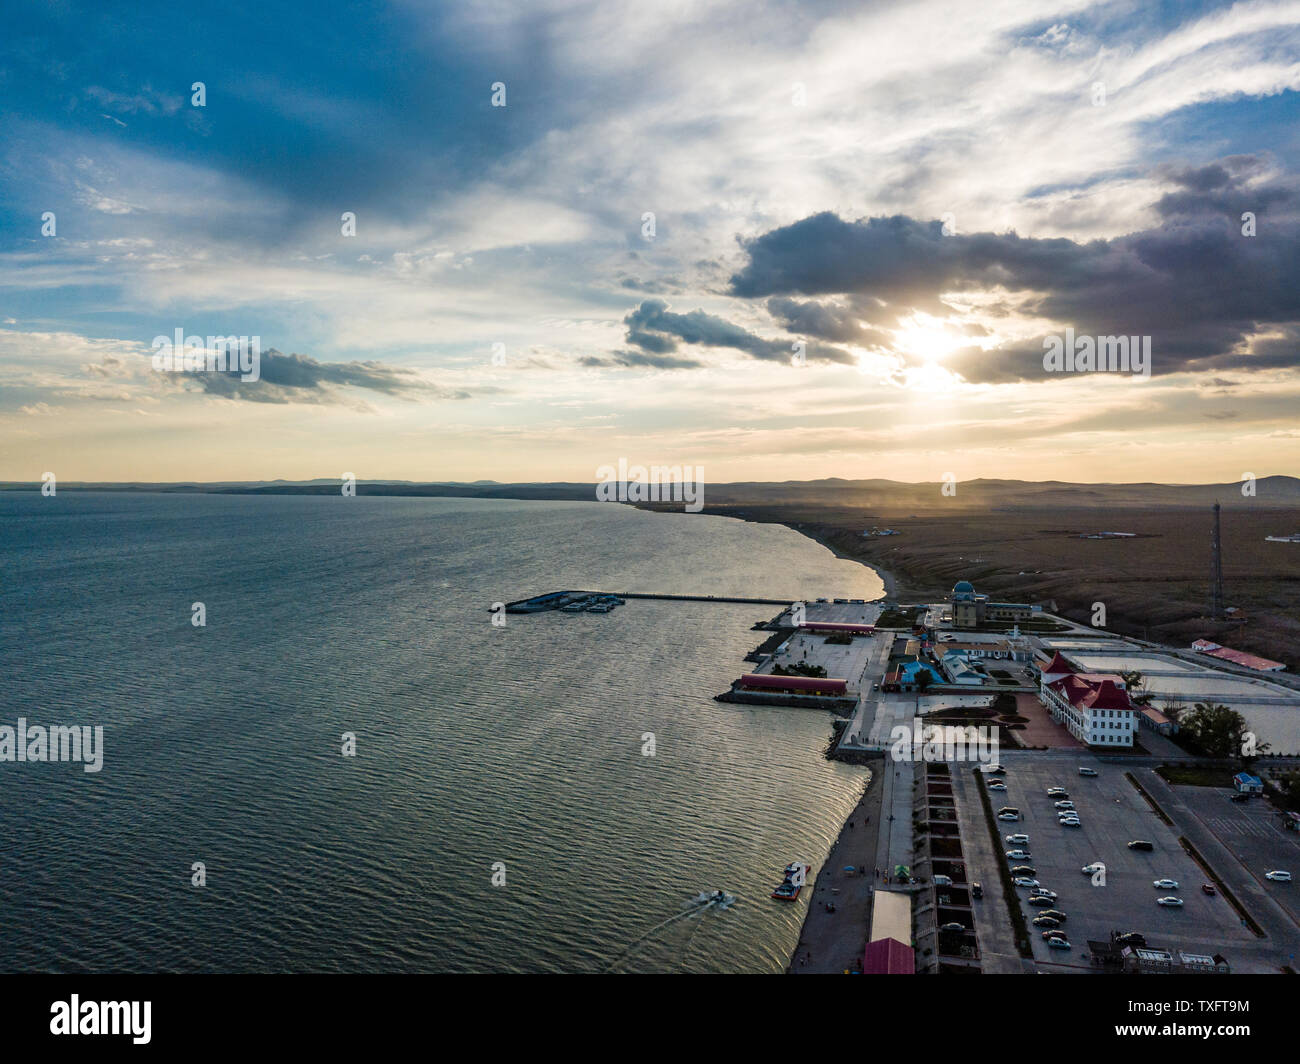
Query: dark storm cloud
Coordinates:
[655,328]
[1194,283]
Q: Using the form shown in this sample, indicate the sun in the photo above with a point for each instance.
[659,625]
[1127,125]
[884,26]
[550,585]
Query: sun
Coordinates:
[927,338]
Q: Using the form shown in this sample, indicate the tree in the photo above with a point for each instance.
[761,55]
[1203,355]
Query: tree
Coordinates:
[1135,682]
[1219,731]
[1173,709]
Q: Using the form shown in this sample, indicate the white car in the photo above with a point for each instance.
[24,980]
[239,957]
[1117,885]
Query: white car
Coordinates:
[943,881]
[1065,805]
[1278,876]
[1056,792]
[1018,855]
[1043,892]
[1087,771]
[1170,902]
[1091,869]
[1166,884]
[1008,816]
[997,785]
[1025,881]
[1071,822]
[1018,840]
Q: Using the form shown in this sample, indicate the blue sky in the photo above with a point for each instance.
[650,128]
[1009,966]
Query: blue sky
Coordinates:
[763,138]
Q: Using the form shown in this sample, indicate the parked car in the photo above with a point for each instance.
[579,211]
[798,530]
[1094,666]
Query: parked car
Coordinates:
[1239,797]
[993,770]
[1131,938]
[1023,870]
[1278,876]
[1208,888]
[1040,900]
[1070,822]
[1043,892]
[1049,935]
[1058,943]
[1057,792]
[1065,805]
[1141,844]
[943,881]
[1170,902]
[1018,840]
[1055,914]
[1087,771]
[953,926]
[1018,855]
[1046,921]
[1008,816]
[976,891]
[1166,884]
[997,785]
[1025,881]
[1009,809]
[1090,869]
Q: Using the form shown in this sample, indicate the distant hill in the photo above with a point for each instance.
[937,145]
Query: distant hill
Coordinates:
[889,496]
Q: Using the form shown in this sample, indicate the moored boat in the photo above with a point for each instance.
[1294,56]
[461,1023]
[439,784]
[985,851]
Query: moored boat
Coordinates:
[796,874]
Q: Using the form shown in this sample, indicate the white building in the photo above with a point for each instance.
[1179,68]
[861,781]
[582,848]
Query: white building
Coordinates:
[1095,707]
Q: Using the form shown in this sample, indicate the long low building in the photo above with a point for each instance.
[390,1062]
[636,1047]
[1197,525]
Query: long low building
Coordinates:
[838,626]
[793,685]
[1237,657]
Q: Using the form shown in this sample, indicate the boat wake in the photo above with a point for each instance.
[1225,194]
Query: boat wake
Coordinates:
[705,900]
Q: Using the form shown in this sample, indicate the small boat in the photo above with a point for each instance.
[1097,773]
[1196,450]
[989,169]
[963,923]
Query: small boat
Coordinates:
[796,874]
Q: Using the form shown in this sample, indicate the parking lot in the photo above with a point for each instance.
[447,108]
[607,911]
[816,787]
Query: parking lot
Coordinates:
[1254,833]
[1112,814]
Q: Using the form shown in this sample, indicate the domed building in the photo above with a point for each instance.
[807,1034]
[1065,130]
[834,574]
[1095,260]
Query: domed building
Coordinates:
[971,609]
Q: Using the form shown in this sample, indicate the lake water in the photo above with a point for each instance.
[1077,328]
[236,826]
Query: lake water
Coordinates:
[477,746]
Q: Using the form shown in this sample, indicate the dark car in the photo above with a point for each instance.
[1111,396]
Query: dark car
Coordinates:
[1141,844]
[1131,938]
[1208,888]
[953,926]
[1054,912]
[976,891]
[1036,899]
[1023,870]
[1239,797]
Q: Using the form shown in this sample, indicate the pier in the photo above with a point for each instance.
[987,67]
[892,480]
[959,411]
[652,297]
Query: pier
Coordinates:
[554,600]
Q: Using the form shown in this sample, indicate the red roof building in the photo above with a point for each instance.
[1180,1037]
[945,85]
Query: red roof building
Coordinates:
[888,956]
[838,626]
[1094,706]
[796,685]
[1237,657]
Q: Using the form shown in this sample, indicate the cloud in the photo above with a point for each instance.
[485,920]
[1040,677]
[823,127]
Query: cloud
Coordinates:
[1208,295]
[302,379]
[655,328]
[635,359]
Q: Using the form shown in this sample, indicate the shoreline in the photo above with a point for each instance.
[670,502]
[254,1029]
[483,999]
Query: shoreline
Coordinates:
[831,943]
[886,576]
